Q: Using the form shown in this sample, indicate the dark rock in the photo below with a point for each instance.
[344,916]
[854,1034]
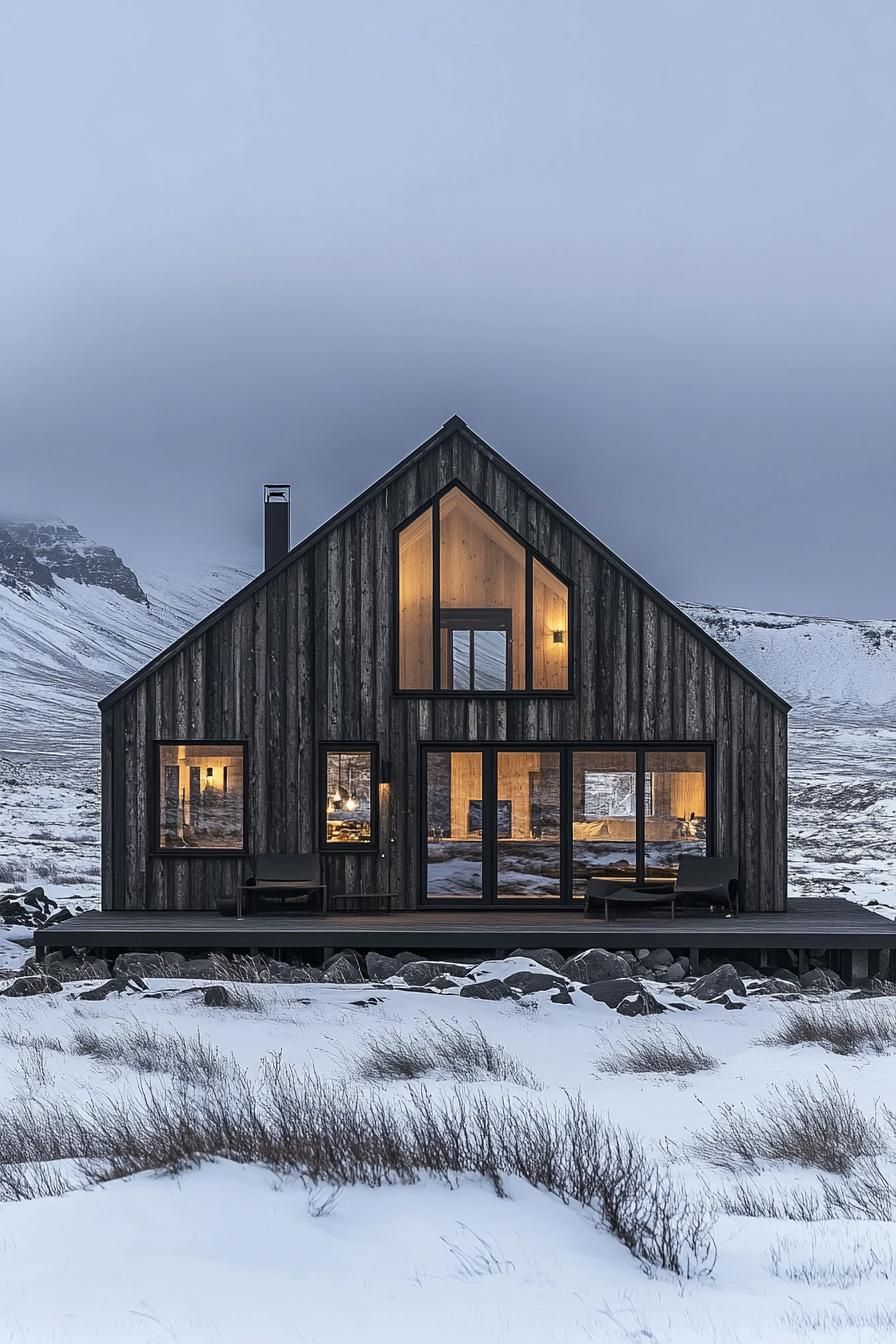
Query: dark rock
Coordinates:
[545,956]
[347,954]
[780,973]
[216,996]
[208,968]
[730,1003]
[422,972]
[59,917]
[444,982]
[745,970]
[717,982]
[304,975]
[561,996]
[531,982]
[642,1005]
[175,961]
[68,968]
[874,989]
[380,967]
[611,992]
[279,971]
[774,985]
[596,964]
[487,989]
[404,957]
[658,959]
[37,898]
[669,975]
[139,963]
[821,981]
[28,985]
[119,984]
[343,971]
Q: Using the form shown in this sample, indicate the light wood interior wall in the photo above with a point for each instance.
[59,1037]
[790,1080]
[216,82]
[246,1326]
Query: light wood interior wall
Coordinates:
[466,783]
[550,602]
[481,566]
[415,604]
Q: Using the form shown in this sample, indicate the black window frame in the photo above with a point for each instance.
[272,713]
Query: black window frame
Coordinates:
[336,748]
[530,552]
[158,851]
[489,899]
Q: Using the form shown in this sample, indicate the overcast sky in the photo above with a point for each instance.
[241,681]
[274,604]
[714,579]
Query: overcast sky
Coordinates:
[645,249]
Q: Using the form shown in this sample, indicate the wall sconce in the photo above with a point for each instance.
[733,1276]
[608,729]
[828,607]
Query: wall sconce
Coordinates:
[558,636]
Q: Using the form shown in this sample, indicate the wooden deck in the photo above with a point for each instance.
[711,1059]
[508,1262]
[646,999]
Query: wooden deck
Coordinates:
[810,924]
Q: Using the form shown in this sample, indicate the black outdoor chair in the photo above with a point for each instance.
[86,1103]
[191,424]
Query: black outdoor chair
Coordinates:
[289,882]
[705,882]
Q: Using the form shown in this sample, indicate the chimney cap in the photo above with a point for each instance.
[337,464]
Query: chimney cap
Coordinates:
[276,494]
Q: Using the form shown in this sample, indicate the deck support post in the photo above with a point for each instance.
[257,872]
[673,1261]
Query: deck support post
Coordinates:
[694,959]
[858,969]
[802,961]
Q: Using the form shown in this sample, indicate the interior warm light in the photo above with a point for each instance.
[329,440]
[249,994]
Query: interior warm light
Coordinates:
[351,803]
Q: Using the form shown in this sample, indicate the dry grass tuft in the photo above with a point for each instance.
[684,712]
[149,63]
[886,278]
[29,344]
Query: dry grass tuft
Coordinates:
[659,1050]
[338,1135]
[846,1028]
[188,1060]
[438,1048]
[818,1126]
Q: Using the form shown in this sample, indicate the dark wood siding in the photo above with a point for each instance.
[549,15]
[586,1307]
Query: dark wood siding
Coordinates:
[306,657]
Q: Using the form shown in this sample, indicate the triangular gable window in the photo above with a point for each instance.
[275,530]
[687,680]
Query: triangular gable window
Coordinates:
[478,612]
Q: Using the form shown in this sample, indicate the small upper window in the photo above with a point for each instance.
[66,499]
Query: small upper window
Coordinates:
[463,581]
[201,797]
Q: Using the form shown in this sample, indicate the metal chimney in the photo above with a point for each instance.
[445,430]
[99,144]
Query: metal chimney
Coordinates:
[276,523]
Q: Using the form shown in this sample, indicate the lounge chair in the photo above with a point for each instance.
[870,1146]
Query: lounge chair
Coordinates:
[704,882]
[287,882]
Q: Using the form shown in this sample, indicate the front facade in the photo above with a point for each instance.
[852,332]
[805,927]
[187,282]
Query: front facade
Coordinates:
[458,696]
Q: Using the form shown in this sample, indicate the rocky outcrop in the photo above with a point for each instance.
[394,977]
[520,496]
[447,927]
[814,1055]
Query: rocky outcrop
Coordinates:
[34,554]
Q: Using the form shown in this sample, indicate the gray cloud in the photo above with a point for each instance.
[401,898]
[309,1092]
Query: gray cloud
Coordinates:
[644,250]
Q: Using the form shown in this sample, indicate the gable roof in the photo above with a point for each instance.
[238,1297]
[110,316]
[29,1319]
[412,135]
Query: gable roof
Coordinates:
[453,426]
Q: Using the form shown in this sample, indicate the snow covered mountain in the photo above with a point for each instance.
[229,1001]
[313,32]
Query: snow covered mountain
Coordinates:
[68,640]
[810,659]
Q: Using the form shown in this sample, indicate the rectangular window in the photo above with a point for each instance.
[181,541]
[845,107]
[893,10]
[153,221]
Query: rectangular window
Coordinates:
[676,822]
[454,824]
[349,796]
[201,796]
[604,816]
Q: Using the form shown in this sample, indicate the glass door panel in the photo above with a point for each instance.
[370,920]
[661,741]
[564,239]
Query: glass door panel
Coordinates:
[604,817]
[675,818]
[454,819]
[528,825]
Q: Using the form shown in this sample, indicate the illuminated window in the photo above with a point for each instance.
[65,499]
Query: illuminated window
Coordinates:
[201,796]
[349,788]
[463,580]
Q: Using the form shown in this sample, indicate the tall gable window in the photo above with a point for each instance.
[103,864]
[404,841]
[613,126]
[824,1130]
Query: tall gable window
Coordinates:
[478,612]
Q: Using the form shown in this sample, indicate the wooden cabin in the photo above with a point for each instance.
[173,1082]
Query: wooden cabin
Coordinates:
[457,695]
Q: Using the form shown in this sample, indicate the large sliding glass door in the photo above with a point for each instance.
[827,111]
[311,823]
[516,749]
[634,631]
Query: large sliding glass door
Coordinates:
[528,825]
[506,823]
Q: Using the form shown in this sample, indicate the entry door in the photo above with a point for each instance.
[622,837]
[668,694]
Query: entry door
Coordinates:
[492,826]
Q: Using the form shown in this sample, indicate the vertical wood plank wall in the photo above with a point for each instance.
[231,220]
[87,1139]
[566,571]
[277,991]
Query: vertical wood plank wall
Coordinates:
[308,657]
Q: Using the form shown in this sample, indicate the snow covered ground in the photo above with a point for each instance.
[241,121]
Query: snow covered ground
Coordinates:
[225,1252]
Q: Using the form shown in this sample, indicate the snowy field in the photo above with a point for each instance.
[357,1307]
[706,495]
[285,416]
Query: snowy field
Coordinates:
[226,1250]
